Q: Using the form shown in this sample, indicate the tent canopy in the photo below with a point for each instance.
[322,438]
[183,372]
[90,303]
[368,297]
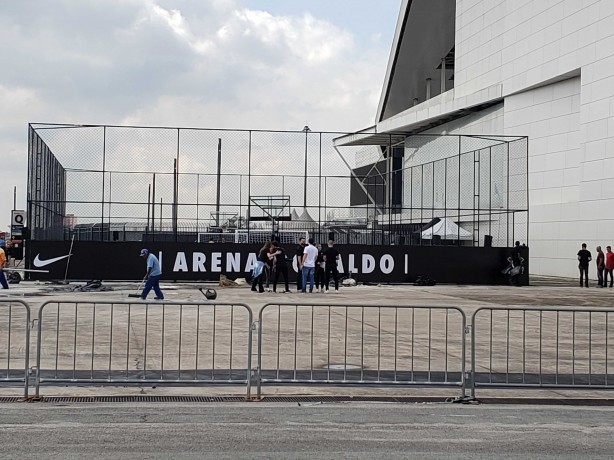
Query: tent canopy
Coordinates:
[446,229]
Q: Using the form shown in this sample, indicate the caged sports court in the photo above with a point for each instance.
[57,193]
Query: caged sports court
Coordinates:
[178,186]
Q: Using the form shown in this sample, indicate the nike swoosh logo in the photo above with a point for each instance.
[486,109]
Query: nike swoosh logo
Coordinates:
[42,263]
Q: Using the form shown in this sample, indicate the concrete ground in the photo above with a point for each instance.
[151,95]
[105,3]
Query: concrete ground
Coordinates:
[291,431]
[84,336]
[364,343]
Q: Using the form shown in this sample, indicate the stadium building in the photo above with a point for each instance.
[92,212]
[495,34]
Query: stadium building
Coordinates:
[494,68]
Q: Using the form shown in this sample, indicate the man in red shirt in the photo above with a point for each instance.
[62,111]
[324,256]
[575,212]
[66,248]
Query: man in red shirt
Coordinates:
[609,265]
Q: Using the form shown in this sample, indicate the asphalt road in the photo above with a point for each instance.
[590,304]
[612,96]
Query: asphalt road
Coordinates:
[287,431]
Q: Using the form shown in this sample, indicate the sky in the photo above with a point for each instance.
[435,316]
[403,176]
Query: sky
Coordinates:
[244,64]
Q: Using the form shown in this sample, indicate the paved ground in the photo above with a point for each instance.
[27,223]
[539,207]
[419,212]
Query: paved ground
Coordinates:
[147,340]
[284,431]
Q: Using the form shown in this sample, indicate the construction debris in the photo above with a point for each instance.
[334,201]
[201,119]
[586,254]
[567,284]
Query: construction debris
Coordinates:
[227,282]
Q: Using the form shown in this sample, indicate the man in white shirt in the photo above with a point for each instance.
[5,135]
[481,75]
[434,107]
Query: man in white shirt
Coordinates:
[310,255]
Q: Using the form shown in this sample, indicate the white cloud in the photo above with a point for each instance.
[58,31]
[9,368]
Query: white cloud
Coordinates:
[214,64]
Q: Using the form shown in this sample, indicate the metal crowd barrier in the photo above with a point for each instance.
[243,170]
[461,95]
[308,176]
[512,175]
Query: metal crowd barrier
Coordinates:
[15,333]
[361,345]
[551,347]
[125,343]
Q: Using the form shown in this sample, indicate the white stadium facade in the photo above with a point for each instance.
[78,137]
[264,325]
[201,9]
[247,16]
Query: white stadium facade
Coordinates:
[537,68]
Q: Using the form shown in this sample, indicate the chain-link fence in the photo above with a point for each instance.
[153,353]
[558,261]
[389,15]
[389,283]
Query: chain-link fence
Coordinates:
[116,183]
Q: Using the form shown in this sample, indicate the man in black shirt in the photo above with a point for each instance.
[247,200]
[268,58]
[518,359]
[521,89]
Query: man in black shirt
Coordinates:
[300,249]
[516,268]
[281,268]
[331,256]
[584,257]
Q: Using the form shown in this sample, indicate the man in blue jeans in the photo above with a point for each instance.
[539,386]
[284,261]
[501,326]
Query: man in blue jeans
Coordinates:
[154,272]
[310,255]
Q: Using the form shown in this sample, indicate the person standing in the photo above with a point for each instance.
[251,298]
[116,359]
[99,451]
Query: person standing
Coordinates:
[584,257]
[331,258]
[310,254]
[152,277]
[299,263]
[8,252]
[269,267]
[281,267]
[516,268]
[3,265]
[600,267]
[259,269]
[320,273]
[609,266]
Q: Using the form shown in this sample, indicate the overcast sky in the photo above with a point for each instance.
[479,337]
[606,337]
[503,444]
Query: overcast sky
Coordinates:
[262,64]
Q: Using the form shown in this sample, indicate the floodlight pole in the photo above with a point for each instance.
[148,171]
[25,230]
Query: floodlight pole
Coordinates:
[219,190]
[306,131]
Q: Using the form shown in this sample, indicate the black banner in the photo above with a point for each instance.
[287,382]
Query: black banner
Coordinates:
[207,261]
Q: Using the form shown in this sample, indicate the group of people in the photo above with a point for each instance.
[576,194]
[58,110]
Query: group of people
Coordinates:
[605,265]
[315,266]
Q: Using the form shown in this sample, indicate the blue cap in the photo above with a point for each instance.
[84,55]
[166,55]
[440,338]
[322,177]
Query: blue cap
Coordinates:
[144,252]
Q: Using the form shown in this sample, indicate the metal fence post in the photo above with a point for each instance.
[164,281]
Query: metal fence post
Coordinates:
[26,324]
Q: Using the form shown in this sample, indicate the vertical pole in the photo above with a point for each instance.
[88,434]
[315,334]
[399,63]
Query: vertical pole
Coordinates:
[389,189]
[219,190]
[197,204]
[174,208]
[411,201]
[325,207]
[104,159]
[476,186]
[238,224]
[507,146]
[176,204]
[110,236]
[428,89]
[306,129]
[527,203]
[460,140]
[490,192]
[29,186]
[148,208]
[433,196]
[320,187]
[249,181]
[422,203]
[153,208]
[445,189]
[14,198]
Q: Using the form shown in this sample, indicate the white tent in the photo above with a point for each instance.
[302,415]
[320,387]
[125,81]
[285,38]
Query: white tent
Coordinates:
[299,222]
[447,230]
[306,218]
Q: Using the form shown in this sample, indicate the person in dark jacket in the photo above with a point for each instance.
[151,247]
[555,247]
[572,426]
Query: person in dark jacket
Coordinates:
[259,270]
[331,258]
[281,266]
[584,257]
[516,268]
[600,267]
